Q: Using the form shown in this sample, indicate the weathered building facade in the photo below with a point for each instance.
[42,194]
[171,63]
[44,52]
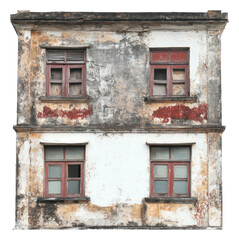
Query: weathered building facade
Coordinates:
[119,120]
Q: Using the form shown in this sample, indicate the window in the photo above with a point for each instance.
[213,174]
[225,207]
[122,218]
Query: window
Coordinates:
[64,171]
[169,72]
[170,171]
[65,73]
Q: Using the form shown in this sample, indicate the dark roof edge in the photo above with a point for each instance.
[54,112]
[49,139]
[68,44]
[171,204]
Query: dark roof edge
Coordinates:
[29,17]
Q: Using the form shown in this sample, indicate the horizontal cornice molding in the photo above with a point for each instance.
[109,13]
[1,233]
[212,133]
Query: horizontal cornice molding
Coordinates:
[27,16]
[121,129]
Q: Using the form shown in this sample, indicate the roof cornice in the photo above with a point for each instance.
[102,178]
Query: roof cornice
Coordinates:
[74,17]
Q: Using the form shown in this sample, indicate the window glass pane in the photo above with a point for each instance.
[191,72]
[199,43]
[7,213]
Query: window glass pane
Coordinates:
[56,89]
[179,89]
[180,187]
[54,153]
[56,73]
[160,153]
[179,74]
[180,153]
[75,74]
[73,187]
[161,187]
[180,171]
[160,171]
[75,152]
[159,89]
[75,89]
[74,171]
[160,74]
[54,187]
[54,171]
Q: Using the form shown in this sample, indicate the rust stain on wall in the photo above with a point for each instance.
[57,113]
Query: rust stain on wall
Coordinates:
[78,215]
[35,135]
[181,112]
[203,178]
[201,208]
[155,209]
[118,65]
[71,114]
[106,37]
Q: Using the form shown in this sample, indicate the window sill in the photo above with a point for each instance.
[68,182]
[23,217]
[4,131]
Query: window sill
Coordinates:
[170,99]
[65,99]
[63,200]
[171,200]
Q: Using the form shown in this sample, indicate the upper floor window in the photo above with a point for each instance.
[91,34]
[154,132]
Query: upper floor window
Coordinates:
[169,72]
[65,73]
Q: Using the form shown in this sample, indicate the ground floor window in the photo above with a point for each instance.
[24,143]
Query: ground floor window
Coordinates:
[64,171]
[170,171]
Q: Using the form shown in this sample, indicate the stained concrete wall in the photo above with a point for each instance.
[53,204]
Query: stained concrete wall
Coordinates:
[117,173]
[117,166]
[117,77]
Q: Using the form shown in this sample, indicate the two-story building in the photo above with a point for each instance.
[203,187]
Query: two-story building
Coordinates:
[119,120]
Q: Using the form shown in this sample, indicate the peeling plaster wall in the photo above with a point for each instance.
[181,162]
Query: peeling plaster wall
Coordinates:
[214,76]
[116,195]
[197,42]
[117,166]
[23,82]
[117,76]
[22,190]
[215,179]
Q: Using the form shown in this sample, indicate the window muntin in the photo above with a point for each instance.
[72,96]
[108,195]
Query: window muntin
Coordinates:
[65,73]
[64,171]
[169,72]
[170,171]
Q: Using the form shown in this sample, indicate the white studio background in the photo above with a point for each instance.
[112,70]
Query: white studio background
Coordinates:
[8,101]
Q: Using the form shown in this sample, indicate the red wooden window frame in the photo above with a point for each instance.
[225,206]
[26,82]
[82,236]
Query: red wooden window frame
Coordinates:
[170,175]
[66,66]
[64,175]
[169,59]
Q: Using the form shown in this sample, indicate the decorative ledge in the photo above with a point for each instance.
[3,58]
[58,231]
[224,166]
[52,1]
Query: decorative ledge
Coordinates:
[126,129]
[86,17]
[171,200]
[65,99]
[170,99]
[171,143]
[62,200]
[64,143]
[65,47]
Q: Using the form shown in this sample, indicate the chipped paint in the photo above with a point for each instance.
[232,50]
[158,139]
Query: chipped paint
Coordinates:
[176,215]
[201,211]
[181,112]
[71,114]
[114,97]
[117,165]
[120,203]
